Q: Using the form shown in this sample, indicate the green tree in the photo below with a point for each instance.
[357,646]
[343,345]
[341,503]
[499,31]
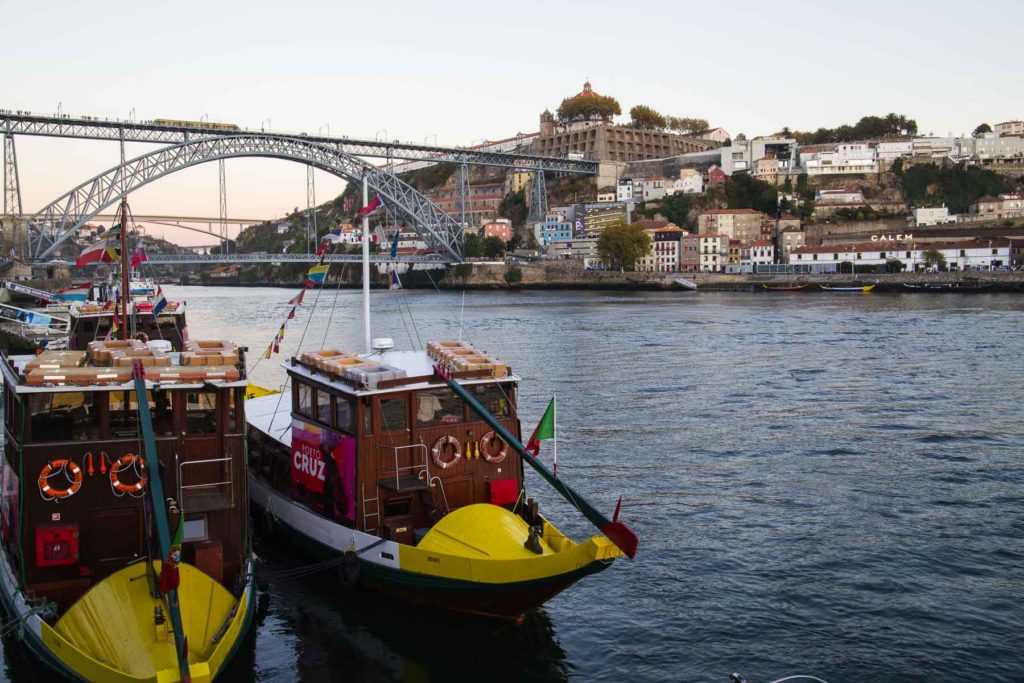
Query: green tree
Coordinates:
[983,128]
[642,116]
[894,265]
[493,247]
[676,209]
[583,108]
[685,124]
[747,192]
[473,248]
[513,275]
[621,245]
[513,207]
[934,258]
[956,187]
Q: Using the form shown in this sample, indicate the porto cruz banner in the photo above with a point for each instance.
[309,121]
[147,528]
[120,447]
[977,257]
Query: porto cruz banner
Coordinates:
[324,463]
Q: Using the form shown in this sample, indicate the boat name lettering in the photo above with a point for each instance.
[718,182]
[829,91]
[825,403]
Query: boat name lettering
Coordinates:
[308,460]
[898,237]
[435,560]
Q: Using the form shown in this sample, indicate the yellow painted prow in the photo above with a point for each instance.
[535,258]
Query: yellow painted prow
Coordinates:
[110,634]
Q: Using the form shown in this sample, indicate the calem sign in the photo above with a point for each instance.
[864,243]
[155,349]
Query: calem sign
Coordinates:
[898,237]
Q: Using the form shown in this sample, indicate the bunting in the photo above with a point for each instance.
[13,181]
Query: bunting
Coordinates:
[101,252]
[315,275]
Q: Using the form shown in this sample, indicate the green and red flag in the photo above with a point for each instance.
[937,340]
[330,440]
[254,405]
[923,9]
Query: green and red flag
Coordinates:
[545,429]
[169,578]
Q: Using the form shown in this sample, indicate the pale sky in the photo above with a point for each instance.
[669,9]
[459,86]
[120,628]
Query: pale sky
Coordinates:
[466,71]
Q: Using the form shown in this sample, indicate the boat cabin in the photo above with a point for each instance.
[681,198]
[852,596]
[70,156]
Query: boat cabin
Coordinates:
[380,444]
[73,479]
[93,321]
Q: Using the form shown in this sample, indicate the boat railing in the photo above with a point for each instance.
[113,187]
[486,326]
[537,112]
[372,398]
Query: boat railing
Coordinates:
[207,495]
[412,478]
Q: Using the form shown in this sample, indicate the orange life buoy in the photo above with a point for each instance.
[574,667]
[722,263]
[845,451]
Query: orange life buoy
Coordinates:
[438,451]
[485,447]
[62,464]
[137,463]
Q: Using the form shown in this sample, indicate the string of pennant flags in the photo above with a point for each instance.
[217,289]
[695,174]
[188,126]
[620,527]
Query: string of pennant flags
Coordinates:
[317,274]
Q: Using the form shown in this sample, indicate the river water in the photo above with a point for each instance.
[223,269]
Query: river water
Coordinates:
[825,484]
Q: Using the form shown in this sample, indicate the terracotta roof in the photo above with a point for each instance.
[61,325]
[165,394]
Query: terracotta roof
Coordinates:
[705,234]
[988,200]
[792,229]
[719,212]
[760,243]
[587,91]
[789,217]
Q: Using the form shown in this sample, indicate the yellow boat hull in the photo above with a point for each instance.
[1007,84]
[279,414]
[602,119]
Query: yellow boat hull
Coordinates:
[109,635]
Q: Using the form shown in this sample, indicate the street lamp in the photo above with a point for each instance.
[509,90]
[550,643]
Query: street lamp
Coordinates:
[266,121]
[327,126]
[376,136]
[205,117]
[434,135]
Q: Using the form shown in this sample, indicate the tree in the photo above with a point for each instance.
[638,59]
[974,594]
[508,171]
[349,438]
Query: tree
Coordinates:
[493,247]
[983,128]
[684,124]
[747,192]
[642,116]
[676,209]
[473,248]
[584,108]
[933,258]
[621,245]
[513,206]
[894,265]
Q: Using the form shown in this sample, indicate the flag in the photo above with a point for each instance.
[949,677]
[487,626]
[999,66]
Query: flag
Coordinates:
[160,301]
[394,244]
[393,281]
[280,334]
[322,249]
[277,346]
[114,326]
[297,300]
[372,208]
[266,354]
[100,252]
[291,313]
[348,204]
[139,256]
[169,578]
[545,429]
[316,275]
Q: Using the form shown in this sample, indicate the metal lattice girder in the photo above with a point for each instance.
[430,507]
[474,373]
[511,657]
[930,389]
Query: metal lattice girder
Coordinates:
[94,129]
[227,259]
[59,220]
[538,198]
[12,187]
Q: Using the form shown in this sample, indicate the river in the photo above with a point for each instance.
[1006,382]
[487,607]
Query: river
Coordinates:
[824,484]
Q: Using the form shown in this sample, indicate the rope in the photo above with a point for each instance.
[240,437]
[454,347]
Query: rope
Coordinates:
[296,573]
[47,610]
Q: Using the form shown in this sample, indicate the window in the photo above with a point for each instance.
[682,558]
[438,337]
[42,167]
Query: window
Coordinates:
[65,416]
[437,407]
[345,414]
[392,414]
[493,397]
[195,529]
[323,406]
[304,400]
[201,412]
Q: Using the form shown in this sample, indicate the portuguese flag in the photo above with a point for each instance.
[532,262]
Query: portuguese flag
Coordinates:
[545,429]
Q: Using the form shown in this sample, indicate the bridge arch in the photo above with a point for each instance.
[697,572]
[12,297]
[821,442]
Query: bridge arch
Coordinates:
[60,219]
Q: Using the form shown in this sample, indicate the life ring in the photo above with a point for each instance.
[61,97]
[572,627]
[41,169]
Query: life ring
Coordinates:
[137,463]
[49,469]
[438,450]
[485,447]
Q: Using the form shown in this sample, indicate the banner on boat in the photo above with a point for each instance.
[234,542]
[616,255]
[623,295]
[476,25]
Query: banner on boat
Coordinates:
[324,466]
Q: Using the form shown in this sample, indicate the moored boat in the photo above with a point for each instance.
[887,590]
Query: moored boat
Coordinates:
[849,288]
[85,519]
[795,287]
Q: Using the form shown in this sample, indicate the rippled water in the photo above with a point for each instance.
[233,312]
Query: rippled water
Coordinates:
[822,484]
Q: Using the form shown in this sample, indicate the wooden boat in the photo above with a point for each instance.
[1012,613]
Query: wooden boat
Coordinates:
[852,288]
[82,512]
[89,571]
[795,287]
[404,469]
[93,319]
[930,286]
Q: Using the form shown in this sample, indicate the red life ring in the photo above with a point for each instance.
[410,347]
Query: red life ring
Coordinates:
[137,463]
[50,493]
[438,451]
[485,447]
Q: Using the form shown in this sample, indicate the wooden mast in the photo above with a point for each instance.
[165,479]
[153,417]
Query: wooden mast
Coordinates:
[124,268]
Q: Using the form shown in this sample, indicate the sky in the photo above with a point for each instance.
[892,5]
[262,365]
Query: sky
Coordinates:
[461,72]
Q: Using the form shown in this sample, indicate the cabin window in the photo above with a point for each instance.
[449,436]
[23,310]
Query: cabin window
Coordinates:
[160,410]
[304,399]
[194,529]
[392,414]
[64,417]
[323,407]
[124,421]
[492,397]
[367,419]
[397,507]
[345,414]
[438,407]
[201,412]
[234,401]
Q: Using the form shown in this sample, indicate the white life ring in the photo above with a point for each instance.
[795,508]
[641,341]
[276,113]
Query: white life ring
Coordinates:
[485,447]
[438,451]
